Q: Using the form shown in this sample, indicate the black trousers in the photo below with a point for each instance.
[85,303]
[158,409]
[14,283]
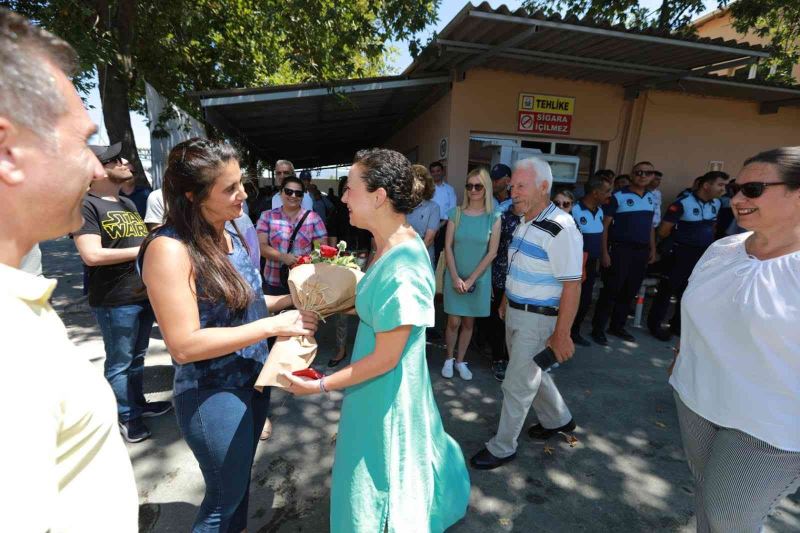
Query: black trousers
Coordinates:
[586,293]
[684,259]
[496,328]
[621,282]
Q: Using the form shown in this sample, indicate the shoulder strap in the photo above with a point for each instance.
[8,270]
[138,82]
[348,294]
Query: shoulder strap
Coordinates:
[457,219]
[296,229]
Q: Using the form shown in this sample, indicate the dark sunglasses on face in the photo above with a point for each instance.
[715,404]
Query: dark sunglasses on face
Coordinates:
[292,192]
[562,205]
[474,186]
[116,161]
[645,173]
[752,189]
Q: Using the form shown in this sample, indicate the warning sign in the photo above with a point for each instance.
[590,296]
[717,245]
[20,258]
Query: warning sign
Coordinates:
[543,114]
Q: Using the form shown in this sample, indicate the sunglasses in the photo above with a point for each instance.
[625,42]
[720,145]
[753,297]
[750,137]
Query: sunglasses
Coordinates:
[752,189]
[474,187]
[562,205]
[115,161]
[293,192]
[644,173]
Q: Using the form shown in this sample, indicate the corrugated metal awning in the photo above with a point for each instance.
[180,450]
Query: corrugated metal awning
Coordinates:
[314,124]
[483,37]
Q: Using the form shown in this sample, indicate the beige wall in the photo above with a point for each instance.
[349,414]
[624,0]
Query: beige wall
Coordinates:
[719,25]
[425,132]
[680,134]
[486,102]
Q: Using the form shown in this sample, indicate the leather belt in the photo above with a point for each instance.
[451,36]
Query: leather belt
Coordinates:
[538,309]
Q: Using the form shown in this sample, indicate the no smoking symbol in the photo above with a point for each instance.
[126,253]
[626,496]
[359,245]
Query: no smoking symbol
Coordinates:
[526,122]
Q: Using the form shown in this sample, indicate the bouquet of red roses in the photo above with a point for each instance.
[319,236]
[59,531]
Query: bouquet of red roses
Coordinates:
[325,283]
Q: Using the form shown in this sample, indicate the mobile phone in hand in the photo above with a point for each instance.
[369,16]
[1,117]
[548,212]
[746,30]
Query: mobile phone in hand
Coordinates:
[546,358]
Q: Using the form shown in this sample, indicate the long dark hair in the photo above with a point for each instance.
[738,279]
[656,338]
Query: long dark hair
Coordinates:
[192,167]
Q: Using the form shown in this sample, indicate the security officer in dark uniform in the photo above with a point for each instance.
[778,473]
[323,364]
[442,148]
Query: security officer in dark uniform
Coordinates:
[693,220]
[628,245]
[588,215]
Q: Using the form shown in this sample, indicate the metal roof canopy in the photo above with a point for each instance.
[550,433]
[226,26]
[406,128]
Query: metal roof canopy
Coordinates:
[314,125]
[583,50]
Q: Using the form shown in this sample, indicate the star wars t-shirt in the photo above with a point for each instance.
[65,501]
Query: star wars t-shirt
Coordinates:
[119,225]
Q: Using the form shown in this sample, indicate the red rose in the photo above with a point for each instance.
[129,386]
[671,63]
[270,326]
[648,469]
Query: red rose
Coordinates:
[328,251]
[303,260]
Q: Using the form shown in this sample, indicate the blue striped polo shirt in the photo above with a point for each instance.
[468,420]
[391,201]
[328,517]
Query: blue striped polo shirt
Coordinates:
[633,216]
[591,227]
[695,220]
[543,254]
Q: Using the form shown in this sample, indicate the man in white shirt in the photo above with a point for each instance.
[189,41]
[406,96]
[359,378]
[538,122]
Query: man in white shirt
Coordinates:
[64,465]
[655,183]
[445,197]
[284,169]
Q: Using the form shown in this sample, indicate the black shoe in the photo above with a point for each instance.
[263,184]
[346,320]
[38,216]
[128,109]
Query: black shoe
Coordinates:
[333,363]
[675,330]
[152,409]
[661,334]
[134,430]
[484,460]
[540,432]
[600,338]
[499,370]
[622,333]
[578,339]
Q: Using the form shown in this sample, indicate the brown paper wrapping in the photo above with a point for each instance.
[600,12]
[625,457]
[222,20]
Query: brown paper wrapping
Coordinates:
[320,287]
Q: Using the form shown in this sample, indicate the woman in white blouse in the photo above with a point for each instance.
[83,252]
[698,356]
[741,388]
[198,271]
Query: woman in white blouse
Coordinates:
[737,377]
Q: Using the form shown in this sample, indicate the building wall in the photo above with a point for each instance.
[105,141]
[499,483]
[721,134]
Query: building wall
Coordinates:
[719,24]
[424,133]
[679,133]
[486,102]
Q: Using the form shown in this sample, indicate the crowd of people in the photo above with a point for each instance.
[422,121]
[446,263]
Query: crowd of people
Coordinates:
[517,255]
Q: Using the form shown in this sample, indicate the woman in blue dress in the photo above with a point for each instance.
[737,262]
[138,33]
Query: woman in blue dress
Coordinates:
[395,469]
[470,246]
[207,297]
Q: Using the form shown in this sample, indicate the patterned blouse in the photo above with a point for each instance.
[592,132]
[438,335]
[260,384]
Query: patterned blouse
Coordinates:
[508,223]
[279,228]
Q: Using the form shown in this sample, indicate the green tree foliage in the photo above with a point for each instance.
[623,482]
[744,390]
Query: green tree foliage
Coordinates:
[779,20]
[183,46]
[671,16]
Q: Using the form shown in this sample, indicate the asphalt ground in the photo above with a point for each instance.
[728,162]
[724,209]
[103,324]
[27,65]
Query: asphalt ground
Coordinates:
[625,473]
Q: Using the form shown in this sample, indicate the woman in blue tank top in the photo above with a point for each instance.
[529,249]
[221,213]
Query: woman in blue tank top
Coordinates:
[206,294]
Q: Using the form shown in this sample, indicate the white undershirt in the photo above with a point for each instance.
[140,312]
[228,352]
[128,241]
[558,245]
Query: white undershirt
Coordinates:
[739,365]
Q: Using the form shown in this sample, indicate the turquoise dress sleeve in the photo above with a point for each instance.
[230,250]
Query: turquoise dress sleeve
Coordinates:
[404,299]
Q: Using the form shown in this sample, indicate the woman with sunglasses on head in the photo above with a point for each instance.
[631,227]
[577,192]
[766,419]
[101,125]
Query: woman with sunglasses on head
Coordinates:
[395,468]
[737,376]
[206,294]
[473,234]
[564,200]
[286,233]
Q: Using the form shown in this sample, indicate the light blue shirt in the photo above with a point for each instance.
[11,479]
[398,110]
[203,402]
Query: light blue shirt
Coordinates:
[445,198]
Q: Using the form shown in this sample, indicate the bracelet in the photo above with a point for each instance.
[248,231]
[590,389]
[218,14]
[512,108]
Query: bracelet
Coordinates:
[322,387]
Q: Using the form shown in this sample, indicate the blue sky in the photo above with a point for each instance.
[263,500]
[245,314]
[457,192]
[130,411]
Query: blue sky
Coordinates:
[447,10]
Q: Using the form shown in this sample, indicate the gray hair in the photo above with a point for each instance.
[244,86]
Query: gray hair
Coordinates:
[539,168]
[284,162]
[29,95]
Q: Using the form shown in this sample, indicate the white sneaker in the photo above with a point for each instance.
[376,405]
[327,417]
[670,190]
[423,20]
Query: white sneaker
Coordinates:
[447,369]
[463,371]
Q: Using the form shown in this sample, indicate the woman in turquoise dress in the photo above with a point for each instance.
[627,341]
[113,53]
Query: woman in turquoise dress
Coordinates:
[470,246]
[395,468]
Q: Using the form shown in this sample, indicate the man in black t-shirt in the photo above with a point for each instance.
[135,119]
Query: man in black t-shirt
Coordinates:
[108,244]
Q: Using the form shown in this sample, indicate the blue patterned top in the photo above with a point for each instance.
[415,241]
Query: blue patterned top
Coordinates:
[237,370]
[508,223]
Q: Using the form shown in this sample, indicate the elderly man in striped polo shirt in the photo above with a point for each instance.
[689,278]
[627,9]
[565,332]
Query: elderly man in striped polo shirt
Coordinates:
[542,292]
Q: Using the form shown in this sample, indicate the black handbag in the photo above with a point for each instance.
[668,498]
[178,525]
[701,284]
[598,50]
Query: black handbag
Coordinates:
[284,271]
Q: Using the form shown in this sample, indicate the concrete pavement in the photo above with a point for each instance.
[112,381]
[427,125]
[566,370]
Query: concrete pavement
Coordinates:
[626,472]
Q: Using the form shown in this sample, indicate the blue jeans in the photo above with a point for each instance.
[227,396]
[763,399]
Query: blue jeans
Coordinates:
[221,427]
[126,335]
